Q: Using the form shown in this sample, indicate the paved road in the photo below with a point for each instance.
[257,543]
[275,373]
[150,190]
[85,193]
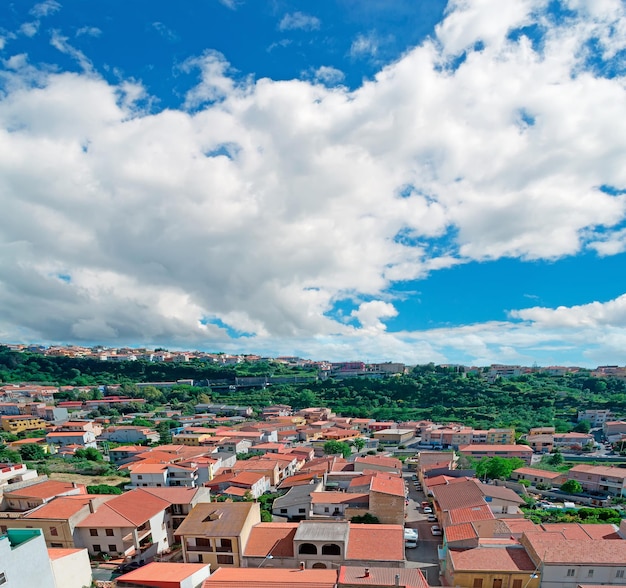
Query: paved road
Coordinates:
[425,555]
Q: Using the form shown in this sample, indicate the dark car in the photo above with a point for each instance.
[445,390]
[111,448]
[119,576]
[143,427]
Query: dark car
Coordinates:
[128,567]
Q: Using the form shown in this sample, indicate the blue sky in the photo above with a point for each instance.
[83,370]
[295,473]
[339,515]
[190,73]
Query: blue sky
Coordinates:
[412,181]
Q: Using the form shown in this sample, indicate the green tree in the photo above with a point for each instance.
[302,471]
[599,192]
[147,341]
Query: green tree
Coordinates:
[572,487]
[556,459]
[359,443]
[32,452]
[499,468]
[89,453]
[366,519]
[335,447]
[9,456]
[165,435]
[103,489]
[582,427]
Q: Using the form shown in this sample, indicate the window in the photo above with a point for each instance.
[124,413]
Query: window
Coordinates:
[518,583]
[97,548]
[619,574]
[56,544]
[497,583]
[590,574]
[109,532]
[112,548]
[93,532]
[54,532]
[478,583]
[307,548]
[571,572]
[3,579]
[283,511]
[225,545]
[225,559]
[302,510]
[331,549]
[140,477]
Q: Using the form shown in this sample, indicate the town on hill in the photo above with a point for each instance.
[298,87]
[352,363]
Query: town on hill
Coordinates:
[133,467]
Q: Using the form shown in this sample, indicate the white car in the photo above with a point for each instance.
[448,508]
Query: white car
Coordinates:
[435,530]
[432,518]
[428,510]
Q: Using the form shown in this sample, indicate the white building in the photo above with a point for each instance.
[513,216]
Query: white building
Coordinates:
[24,561]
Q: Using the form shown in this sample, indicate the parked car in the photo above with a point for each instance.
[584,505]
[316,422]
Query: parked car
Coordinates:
[432,518]
[435,530]
[428,510]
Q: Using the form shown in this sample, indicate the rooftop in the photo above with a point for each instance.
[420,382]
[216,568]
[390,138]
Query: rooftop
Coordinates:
[497,559]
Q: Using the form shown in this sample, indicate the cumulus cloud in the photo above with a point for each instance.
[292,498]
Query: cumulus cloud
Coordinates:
[88,31]
[328,75]
[264,204]
[46,8]
[299,21]
[364,45]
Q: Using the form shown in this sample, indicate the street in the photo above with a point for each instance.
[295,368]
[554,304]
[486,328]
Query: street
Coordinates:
[425,555]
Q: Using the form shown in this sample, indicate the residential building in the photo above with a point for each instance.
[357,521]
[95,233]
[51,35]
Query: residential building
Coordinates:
[12,473]
[62,439]
[71,568]
[535,476]
[325,544]
[217,533]
[24,561]
[130,434]
[395,436]
[595,417]
[507,451]
[17,423]
[608,480]
[181,501]
[271,578]
[378,463]
[131,525]
[569,563]
[34,495]
[165,575]
[295,505]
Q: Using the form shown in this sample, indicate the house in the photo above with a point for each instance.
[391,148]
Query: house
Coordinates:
[271,578]
[575,441]
[569,563]
[395,436]
[17,423]
[491,567]
[62,439]
[507,451]
[217,533]
[295,505]
[354,577]
[39,493]
[535,476]
[181,500]
[58,518]
[24,560]
[132,525]
[71,568]
[324,544]
[130,434]
[379,463]
[165,575]
[609,480]
[12,473]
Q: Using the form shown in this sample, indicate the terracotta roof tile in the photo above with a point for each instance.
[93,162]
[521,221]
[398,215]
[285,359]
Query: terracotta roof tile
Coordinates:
[355,576]
[497,559]
[274,539]
[271,578]
[388,546]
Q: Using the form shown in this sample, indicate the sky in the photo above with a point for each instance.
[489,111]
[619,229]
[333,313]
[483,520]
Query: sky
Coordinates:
[407,181]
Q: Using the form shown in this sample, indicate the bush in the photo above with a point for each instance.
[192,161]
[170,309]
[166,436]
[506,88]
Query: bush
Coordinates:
[103,489]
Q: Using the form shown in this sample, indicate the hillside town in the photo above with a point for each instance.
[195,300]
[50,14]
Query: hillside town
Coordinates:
[233,496]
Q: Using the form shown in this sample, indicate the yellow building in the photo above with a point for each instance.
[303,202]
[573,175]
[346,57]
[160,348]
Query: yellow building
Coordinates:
[500,436]
[192,439]
[18,423]
[491,567]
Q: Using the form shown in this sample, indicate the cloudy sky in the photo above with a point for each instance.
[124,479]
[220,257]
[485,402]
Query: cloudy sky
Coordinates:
[336,179]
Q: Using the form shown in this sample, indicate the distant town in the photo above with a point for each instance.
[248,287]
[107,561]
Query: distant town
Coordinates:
[163,484]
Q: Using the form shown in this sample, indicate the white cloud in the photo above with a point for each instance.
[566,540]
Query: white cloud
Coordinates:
[231,4]
[46,8]
[88,31]
[265,204]
[364,45]
[299,21]
[29,29]
[328,75]
[165,31]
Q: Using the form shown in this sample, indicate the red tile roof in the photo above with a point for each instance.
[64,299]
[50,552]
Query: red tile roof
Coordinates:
[388,546]
[496,559]
[388,485]
[271,578]
[47,489]
[409,578]
[274,539]
[461,532]
[552,548]
[59,552]
[161,574]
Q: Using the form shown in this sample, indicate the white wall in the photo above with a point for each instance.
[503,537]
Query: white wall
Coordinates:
[72,571]
[26,565]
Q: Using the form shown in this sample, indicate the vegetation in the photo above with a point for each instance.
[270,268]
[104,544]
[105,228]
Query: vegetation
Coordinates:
[103,489]
[429,391]
[582,515]
[337,447]
[572,487]
[497,468]
[32,452]
[366,519]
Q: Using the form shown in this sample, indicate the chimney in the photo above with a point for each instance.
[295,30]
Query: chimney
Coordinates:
[91,507]
[74,485]
[301,565]
[397,580]
[367,572]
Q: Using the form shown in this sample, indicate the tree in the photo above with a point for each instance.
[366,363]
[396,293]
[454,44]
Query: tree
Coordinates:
[582,427]
[572,487]
[9,456]
[497,467]
[359,443]
[89,453]
[334,447]
[366,519]
[32,452]
[556,459]
[103,489]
